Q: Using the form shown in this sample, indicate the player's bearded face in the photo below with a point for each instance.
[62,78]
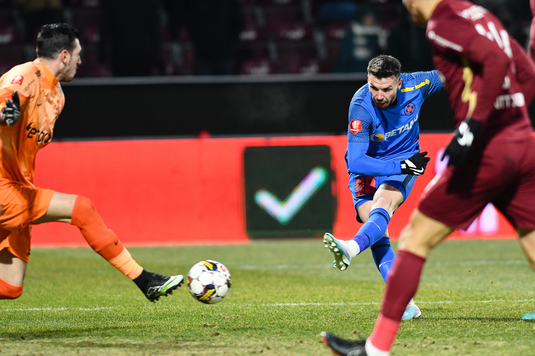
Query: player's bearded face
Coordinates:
[72,64]
[384,91]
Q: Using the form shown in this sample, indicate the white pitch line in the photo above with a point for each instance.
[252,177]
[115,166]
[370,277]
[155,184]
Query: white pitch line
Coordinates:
[329,265]
[71,309]
[228,305]
[282,267]
[418,301]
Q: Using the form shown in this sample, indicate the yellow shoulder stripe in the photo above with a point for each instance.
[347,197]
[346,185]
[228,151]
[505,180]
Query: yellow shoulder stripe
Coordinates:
[417,86]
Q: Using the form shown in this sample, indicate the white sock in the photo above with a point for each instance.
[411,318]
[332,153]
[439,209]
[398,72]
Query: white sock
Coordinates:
[352,247]
[411,303]
[374,351]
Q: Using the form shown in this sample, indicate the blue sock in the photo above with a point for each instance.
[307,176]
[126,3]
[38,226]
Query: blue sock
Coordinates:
[373,229]
[384,256]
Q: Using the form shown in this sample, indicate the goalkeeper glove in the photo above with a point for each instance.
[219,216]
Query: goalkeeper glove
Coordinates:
[11,112]
[462,141]
[415,165]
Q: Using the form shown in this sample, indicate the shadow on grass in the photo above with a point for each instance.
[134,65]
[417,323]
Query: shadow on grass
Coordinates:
[154,346]
[71,332]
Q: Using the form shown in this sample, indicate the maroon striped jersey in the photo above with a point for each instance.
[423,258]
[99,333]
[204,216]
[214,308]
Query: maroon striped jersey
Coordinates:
[488,75]
[532,31]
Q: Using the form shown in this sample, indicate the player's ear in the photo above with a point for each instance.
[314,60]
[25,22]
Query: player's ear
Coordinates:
[64,56]
[399,83]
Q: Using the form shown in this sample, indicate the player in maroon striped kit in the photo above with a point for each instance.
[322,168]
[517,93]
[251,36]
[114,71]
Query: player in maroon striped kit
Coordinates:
[531,51]
[491,82]
[532,31]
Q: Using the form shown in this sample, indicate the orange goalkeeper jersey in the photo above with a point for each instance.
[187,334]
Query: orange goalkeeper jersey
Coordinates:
[42,100]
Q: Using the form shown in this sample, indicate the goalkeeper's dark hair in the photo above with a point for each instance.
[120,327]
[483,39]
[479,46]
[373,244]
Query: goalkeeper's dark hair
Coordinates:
[384,66]
[54,38]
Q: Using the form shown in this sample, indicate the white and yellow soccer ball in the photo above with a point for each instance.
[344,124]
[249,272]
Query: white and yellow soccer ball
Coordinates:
[209,281]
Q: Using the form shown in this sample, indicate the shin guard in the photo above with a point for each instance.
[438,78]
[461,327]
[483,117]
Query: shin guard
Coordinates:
[101,239]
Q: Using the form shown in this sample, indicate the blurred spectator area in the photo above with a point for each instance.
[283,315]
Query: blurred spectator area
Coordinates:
[14,28]
[11,36]
[279,36]
[304,36]
[288,36]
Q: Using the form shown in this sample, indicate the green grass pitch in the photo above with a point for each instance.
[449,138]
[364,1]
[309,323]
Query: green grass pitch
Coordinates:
[284,293]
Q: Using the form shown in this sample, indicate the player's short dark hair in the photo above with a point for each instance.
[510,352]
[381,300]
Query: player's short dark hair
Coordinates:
[54,38]
[384,66]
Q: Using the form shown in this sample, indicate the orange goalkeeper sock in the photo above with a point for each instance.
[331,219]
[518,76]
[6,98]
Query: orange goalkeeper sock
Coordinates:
[101,239]
[8,291]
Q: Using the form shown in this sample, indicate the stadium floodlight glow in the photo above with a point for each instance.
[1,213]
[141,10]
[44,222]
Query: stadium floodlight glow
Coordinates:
[284,211]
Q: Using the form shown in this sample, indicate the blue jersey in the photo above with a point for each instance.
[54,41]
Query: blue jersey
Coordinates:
[379,139]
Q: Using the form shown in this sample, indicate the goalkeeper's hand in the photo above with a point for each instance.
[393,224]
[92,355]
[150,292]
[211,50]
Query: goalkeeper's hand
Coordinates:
[11,112]
[415,165]
[462,141]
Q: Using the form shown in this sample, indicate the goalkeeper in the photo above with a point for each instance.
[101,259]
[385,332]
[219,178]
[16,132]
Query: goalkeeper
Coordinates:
[383,158]
[31,100]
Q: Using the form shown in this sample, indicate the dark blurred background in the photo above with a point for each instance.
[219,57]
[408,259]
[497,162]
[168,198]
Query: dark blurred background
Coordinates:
[227,67]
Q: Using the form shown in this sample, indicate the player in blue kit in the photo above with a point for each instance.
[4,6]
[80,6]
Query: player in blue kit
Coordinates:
[383,147]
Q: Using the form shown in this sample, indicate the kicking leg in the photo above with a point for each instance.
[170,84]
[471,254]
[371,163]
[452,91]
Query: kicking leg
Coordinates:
[376,216]
[385,201]
[79,211]
[417,240]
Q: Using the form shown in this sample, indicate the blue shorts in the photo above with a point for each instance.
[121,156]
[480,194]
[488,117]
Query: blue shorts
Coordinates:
[363,187]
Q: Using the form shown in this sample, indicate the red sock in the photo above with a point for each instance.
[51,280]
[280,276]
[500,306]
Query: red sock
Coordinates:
[402,284]
[101,239]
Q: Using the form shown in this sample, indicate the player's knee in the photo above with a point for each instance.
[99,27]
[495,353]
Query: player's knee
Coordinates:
[83,208]
[8,291]
[405,236]
[411,241]
[385,203]
[84,204]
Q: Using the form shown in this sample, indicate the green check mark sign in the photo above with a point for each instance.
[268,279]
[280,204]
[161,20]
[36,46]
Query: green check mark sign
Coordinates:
[284,211]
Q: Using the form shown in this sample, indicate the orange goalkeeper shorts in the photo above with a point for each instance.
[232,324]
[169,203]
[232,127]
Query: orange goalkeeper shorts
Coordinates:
[21,204]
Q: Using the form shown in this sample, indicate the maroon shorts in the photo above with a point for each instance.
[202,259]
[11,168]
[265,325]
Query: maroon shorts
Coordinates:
[503,173]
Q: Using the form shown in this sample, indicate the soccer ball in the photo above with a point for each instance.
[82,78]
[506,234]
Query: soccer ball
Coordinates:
[209,281]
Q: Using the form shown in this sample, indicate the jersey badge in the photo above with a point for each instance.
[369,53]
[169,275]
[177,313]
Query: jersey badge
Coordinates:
[409,109]
[17,80]
[355,126]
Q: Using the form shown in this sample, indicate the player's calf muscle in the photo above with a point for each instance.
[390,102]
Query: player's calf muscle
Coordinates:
[101,239]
